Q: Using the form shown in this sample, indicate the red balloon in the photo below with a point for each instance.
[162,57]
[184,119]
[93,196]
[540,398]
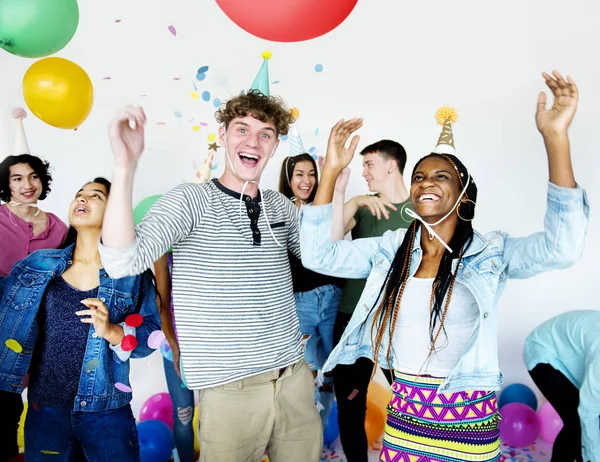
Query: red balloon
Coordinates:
[287,20]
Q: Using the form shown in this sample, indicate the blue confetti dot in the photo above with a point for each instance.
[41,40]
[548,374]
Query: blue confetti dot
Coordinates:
[314,156]
[275,82]
[312,149]
[217,102]
[317,132]
[203,69]
[214,167]
[200,76]
[206,96]
[284,137]
[319,68]
[177,114]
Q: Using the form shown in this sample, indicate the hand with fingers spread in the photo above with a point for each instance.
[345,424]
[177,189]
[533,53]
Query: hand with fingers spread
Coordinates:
[97,313]
[376,205]
[126,132]
[557,119]
[338,155]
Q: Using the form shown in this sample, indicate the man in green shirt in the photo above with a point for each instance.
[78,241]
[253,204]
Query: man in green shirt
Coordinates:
[365,216]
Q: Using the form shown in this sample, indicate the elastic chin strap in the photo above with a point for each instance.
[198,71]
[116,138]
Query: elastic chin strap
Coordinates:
[429,227]
[28,205]
[264,163]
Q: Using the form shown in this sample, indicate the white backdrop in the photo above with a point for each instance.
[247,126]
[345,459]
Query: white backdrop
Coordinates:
[393,63]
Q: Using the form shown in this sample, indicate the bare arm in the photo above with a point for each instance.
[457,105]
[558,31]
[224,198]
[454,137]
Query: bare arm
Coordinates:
[163,286]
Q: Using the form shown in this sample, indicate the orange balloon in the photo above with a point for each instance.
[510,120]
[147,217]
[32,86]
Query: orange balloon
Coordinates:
[380,394]
[374,421]
[59,92]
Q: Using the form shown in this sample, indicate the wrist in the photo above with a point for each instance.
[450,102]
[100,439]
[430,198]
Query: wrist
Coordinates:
[114,334]
[124,171]
[555,135]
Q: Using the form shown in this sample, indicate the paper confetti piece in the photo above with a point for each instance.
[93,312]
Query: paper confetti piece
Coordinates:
[117,21]
[200,76]
[203,70]
[128,343]
[319,68]
[160,123]
[214,167]
[204,124]
[134,320]
[107,78]
[206,95]
[122,387]
[316,132]
[14,345]
[283,137]
[217,102]
[45,451]
[177,114]
[194,95]
[176,78]
[275,82]
[91,364]
[156,339]
[196,127]
[212,137]
[173,30]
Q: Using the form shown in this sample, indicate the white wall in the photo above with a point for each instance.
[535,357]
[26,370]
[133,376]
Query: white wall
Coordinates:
[392,63]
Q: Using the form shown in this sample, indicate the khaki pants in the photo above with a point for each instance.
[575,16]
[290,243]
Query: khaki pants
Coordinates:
[238,421]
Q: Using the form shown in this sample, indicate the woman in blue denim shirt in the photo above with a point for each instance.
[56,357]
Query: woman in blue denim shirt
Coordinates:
[429,306]
[317,296]
[67,322]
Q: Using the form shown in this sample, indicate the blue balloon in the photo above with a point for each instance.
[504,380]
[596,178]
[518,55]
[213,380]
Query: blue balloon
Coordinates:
[518,393]
[156,441]
[332,429]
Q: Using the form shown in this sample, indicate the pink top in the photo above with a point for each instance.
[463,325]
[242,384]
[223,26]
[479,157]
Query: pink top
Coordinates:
[17,240]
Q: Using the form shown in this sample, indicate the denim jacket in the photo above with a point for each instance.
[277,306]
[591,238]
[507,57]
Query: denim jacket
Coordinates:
[21,295]
[485,267]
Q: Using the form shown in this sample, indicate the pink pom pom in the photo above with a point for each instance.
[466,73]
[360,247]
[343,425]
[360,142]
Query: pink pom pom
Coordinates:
[19,113]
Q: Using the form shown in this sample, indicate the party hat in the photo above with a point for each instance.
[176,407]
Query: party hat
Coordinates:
[446,116]
[21,146]
[261,82]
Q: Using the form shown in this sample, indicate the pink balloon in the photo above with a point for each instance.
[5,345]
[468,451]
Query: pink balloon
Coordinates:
[550,422]
[519,426]
[158,407]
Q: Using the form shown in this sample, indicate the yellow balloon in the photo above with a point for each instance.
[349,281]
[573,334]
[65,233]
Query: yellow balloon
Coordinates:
[59,92]
[195,424]
[21,430]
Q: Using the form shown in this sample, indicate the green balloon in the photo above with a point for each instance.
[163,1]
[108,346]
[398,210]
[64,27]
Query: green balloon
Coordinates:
[37,28]
[142,208]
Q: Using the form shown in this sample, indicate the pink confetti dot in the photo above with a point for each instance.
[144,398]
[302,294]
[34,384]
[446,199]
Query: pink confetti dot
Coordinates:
[122,387]
[156,339]
[173,30]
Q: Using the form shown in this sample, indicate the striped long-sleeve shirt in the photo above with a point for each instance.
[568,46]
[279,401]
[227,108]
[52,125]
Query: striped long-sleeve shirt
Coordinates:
[232,286]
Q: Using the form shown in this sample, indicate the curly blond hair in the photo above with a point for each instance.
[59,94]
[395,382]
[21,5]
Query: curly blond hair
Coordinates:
[270,109]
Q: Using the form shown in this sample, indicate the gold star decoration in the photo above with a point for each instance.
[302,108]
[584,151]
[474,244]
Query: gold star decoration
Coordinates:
[213,147]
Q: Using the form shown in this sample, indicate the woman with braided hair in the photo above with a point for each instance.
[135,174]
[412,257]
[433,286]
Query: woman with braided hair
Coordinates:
[429,308]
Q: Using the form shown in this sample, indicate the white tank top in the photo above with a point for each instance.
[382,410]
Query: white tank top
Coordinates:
[411,340]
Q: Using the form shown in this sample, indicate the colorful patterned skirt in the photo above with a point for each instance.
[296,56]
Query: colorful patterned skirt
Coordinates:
[424,426]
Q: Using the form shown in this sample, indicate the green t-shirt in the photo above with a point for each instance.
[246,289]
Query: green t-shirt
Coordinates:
[368,225]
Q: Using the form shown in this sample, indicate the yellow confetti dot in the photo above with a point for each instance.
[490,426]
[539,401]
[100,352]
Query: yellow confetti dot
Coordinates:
[44,451]
[194,95]
[212,137]
[196,127]
[14,345]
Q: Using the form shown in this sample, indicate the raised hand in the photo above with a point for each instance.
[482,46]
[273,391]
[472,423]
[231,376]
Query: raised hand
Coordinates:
[338,155]
[376,205]
[126,132]
[557,119]
[98,316]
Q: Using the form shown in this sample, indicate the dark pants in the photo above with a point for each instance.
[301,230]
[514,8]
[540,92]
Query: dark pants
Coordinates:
[350,383]
[12,408]
[564,398]
[104,436]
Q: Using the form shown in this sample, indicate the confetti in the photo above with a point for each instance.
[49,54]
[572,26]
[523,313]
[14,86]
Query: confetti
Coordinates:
[107,78]
[206,95]
[128,343]
[117,21]
[45,451]
[200,76]
[173,30]
[214,167]
[204,124]
[156,339]
[14,345]
[195,128]
[178,114]
[319,68]
[217,102]
[176,78]
[203,70]
[284,137]
[316,132]
[134,320]
[194,95]
[160,123]
[122,387]
[212,137]
[275,82]
[91,364]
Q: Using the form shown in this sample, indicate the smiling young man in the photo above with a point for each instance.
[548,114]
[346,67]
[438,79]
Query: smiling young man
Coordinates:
[238,330]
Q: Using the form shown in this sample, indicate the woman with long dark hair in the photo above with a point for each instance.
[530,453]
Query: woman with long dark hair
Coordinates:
[317,296]
[73,327]
[429,305]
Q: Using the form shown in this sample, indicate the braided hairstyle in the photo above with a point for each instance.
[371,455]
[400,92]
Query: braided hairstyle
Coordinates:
[386,313]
